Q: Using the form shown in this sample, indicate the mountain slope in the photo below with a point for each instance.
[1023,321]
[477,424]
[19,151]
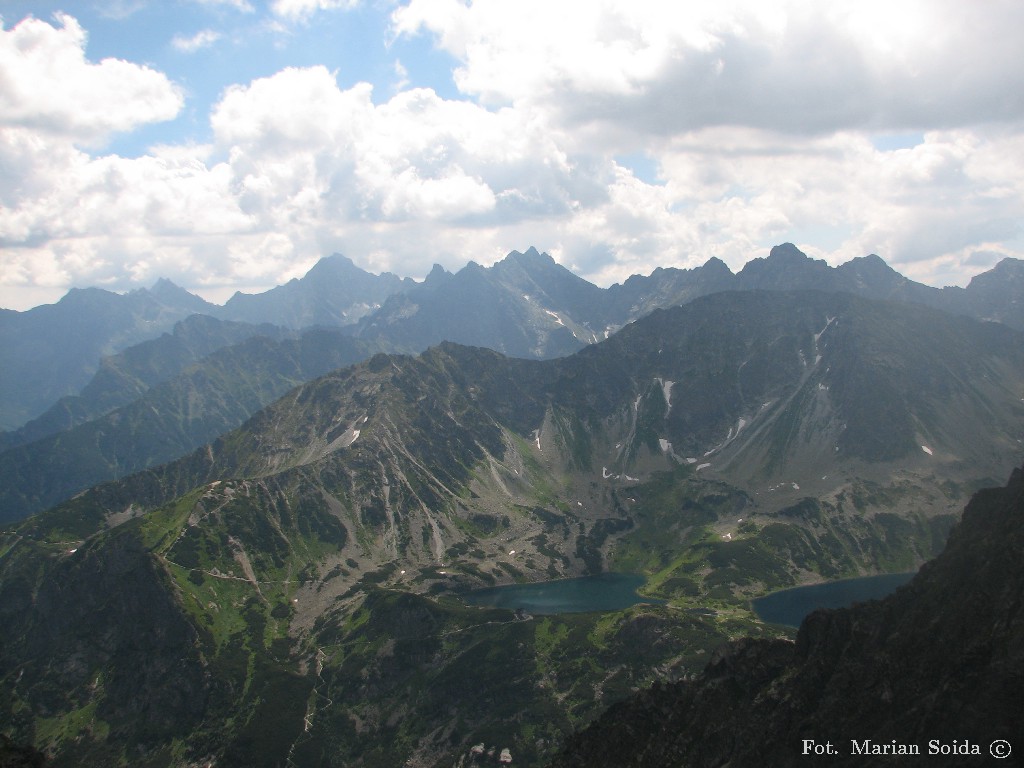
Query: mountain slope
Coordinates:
[172,418]
[126,376]
[938,663]
[52,350]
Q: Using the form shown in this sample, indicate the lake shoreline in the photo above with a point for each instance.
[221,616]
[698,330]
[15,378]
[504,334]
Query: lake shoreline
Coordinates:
[789,607]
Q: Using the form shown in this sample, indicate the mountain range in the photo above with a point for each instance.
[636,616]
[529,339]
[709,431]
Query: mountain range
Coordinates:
[526,306]
[288,593]
[53,350]
[529,306]
[128,375]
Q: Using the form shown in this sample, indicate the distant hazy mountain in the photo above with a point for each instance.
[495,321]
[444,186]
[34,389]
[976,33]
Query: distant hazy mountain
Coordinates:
[53,350]
[994,295]
[126,376]
[171,418]
[998,294]
[933,668]
[529,306]
[525,306]
[334,292]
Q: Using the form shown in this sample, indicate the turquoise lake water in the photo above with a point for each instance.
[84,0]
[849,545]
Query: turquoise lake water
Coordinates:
[790,606]
[605,592]
[615,591]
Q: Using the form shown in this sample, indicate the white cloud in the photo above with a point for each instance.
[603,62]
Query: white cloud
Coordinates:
[240,5]
[201,39]
[121,9]
[653,68]
[401,75]
[301,9]
[51,88]
[758,118]
[298,144]
[309,168]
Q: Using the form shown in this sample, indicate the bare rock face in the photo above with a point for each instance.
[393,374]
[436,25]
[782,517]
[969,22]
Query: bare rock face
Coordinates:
[937,668]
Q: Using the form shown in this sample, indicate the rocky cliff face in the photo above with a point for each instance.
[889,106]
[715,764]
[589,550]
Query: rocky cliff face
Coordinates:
[937,666]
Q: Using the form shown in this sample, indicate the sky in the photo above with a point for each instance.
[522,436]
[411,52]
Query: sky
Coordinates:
[229,144]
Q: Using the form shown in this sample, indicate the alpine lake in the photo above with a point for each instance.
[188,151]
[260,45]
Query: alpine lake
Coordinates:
[617,591]
[790,606]
[604,592]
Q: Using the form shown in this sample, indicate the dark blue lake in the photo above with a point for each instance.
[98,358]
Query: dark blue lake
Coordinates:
[605,592]
[790,606]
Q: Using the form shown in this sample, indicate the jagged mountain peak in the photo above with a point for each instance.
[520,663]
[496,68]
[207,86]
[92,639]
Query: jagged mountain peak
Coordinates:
[526,305]
[715,265]
[1008,269]
[872,276]
[334,264]
[437,272]
[335,291]
[783,264]
[787,252]
[530,256]
[165,284]
[538,271]
[870,262]
[168,292]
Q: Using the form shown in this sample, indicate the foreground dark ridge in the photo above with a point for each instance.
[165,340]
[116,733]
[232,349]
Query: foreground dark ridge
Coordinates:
[938,666]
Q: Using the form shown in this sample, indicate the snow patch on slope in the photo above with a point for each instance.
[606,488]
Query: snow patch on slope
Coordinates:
[555,315]
[817,353]
[666,391]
